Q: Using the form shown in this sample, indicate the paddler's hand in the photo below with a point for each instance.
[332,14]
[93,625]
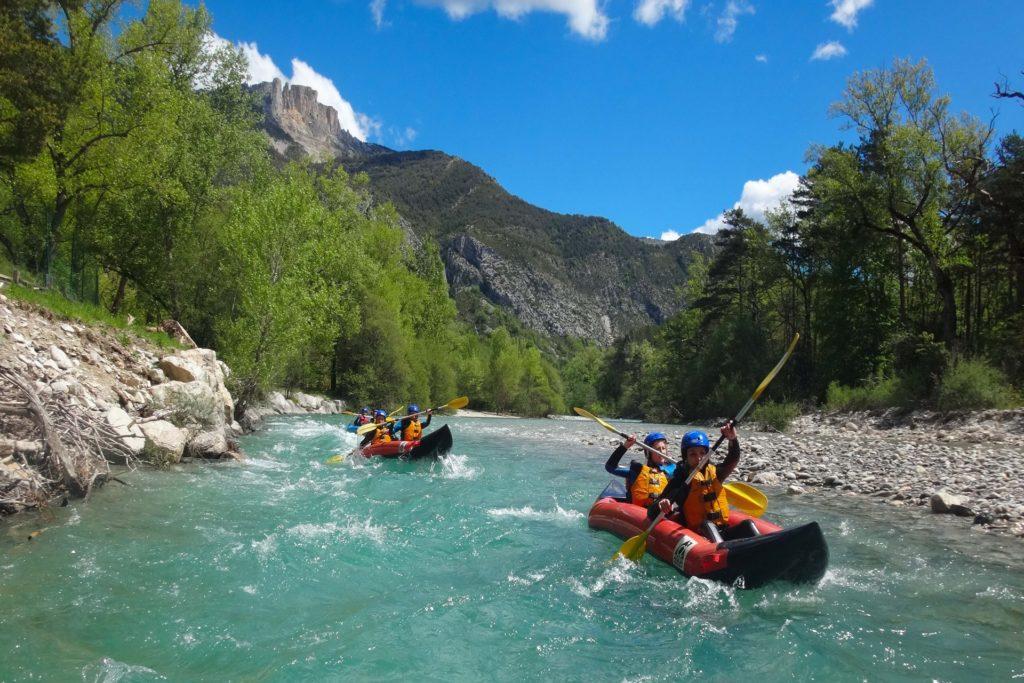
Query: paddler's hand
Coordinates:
[729,432]
[430,411]
[630,440]
[665,506]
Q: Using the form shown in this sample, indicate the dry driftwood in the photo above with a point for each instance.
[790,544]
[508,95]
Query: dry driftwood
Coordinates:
[69,451]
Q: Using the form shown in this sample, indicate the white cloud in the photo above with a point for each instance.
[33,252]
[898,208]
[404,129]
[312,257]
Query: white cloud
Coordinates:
[261,66]
[757,198]
[829,50]
[670,235]
[845,11]
[730,18]
[377,10]
[761,58]
[584,16]
[650,12]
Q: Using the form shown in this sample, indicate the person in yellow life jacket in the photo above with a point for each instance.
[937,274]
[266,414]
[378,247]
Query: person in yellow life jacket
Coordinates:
[644,480]
[382,434]
[703,502]
[410,427]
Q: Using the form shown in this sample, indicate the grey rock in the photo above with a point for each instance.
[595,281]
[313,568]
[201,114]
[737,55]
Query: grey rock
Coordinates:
[164,441]
[211,444]
[60,358]
[943,501]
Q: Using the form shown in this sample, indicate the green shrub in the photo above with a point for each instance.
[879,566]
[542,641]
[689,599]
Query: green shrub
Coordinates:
[974,385]
[776,416]
[883,392]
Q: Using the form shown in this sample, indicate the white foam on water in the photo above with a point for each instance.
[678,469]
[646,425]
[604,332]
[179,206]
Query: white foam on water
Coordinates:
[621,571]
[109,670]
[559,515]
[265,547]
[527,580]
[349,529]
[705,595]
[454,466]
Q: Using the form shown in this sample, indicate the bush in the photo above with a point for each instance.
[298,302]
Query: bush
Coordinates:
[877,393]
[776,416]
[974,385]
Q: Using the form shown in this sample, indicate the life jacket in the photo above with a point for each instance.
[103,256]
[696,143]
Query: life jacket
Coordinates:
[412,431]
[361,420]
[706,500]
[647,486]
[381,435]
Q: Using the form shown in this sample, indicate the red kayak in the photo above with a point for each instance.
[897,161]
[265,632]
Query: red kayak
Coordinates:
[433,445]
[799,554]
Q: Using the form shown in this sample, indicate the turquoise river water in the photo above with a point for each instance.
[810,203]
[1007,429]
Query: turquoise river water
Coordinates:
[477,567]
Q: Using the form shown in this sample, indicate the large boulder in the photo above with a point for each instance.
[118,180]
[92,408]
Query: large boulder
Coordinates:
[308,401]
[124,426]
[190,403]
[211,444]
[179,369]
[200,366]
[943,502]
[164,442]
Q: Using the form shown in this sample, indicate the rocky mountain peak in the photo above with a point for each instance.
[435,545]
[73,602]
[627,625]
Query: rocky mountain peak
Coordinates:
[298,124]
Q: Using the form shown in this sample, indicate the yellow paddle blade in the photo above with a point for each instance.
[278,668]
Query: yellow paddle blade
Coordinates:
[589,415]
[368,427]
[746,498]
[396,411]
[634,548]
[335,459]
[456,403]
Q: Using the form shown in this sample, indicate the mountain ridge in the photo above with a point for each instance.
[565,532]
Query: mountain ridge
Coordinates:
[562,275]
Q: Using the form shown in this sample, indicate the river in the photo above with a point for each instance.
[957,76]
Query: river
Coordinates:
[477,567]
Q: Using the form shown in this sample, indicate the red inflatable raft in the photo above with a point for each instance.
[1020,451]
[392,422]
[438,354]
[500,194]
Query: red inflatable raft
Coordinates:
[433,445]
[799,554]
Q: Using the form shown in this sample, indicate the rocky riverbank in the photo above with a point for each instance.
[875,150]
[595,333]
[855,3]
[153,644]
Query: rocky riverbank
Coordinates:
[962,464]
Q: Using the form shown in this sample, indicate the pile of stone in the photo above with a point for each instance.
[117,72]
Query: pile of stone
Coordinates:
[161,405]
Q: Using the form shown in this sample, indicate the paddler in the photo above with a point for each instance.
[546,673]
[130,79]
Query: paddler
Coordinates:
[362,418]
[703,501]
[644,480]
[410,428]
[382,434]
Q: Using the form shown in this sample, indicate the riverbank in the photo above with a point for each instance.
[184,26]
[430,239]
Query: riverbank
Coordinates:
[965,464]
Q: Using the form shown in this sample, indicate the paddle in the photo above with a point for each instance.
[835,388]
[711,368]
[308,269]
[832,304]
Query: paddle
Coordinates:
[746,406]
[745,498]
[634,548]
[454,404]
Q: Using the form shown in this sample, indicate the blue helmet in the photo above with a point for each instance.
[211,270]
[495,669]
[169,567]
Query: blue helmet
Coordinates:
[654,436]
[365,410]
[693,439]
[413,408]
[379,413]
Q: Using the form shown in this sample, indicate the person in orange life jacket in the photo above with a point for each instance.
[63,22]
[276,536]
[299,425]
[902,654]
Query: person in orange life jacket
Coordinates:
[703,501]
[644,481]
[381,434]
[410,427]
[362,418]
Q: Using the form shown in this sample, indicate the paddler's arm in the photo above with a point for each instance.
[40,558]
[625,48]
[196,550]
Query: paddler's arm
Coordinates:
[676,492]
[430,414]
[612,465]
[732,458]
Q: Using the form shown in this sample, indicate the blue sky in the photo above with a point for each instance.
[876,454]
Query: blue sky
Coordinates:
[658,114]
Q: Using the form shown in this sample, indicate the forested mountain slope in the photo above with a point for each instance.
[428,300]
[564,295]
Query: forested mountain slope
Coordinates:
[559,274]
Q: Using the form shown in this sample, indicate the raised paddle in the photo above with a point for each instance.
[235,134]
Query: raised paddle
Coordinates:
[745,498]
[746,406]
[635,547]
[454,404]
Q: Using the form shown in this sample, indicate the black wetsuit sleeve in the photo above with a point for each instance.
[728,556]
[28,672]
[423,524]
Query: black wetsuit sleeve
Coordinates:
[732,459]
[426,424]
[612,465]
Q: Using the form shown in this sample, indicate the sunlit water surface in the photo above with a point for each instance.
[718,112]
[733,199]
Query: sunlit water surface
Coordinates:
[480,566]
